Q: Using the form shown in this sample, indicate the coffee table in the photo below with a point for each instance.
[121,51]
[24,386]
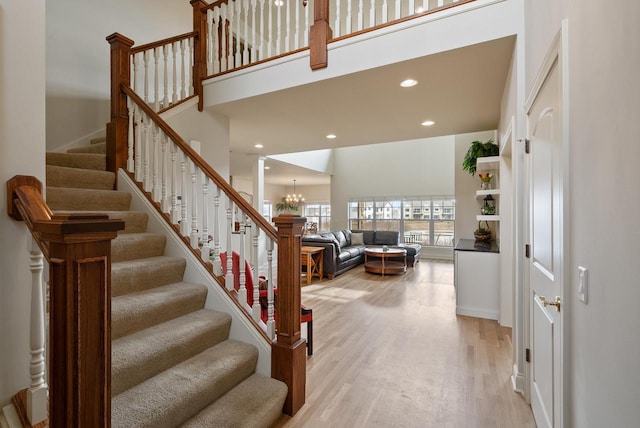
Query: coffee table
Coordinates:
[392,261]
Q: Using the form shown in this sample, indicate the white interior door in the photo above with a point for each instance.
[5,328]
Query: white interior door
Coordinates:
[544,121]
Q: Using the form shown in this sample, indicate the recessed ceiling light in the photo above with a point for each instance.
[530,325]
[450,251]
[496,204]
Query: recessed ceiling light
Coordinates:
[408,83]
[331,136]
[428,123]
[258,146]
[267,167]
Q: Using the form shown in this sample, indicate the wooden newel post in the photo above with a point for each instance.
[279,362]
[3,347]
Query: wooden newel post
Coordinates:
[288,355]
[199,48]
[320,35]
[80,320]
[117,129]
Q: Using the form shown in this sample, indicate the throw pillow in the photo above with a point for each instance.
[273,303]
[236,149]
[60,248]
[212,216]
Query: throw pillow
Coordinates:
[357,239]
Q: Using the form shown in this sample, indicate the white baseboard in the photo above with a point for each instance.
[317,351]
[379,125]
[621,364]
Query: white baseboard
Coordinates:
[517,379]
[82,141]
[9,417]
[477,313]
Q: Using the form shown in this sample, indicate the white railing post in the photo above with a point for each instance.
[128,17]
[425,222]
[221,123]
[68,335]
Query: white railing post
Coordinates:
[347,27]
[164,202]
[139,173]
[287,34]
[174,95]
[146,182]
[37,406]
[217,268]
[372,14]
[245,14]
[206,249]
[224,63]
[155,191]
[237,61]
[360,15]
[210,40]
[254,50]
[156,88]
[279,30]
[165,68]
[262,35]
[174,184]
[184,227]
[242,292]
[130,161]
[255,309]
[270,30]
[271,322]
[145,58]
[183,78]
[336,25]
[307,26]
[228,280]
[191,83]
[194,206]
[397,9]
[385,13]
[217,61]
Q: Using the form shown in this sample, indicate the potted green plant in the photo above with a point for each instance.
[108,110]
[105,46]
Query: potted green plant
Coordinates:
[477,150]
[288,207]
[482,234]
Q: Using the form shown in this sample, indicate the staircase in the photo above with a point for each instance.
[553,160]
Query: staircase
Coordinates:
[173,363]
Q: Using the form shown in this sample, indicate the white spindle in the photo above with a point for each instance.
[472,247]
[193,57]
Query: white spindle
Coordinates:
[242,291]
[224,66]
[164,201]
[347,29]
[287,37]
[412,7]
[174,184]
[254,51]
[156,74]
[271,323]
[165,69]
[194,206]
[210,41]
[270,31]
[262,35]
[245,52]
[174,95]
[397,9]
[215,41]
[296,33]
[228,280]
[136,70]
[139,173]
[130,108]
[183,80]
[155,190]
[146,152]
[360,15]
[184,227]
[255,309]
[146,76]
[441,3]
[37,393]
[216,233]
[279,30]
[206,249]
[230,42]
[372,14]
[336,25]
[191,87]
[385,16]
[237,61]
[305,42]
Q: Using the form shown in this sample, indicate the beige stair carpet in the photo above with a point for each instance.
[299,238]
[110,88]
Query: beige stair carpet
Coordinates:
[172,360]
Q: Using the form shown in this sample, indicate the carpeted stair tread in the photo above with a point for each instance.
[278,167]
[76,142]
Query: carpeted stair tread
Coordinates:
[255,403]
[64,198]
[134,221]
[133,246]
[142,355]
[78,160]
[62,176]
[136,311]
[97,140]
[98,147]
[132,276]
[175,395]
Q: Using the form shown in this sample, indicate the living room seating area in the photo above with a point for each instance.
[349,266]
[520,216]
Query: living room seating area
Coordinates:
[344,249]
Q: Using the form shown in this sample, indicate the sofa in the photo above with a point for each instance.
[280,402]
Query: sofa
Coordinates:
[344,249]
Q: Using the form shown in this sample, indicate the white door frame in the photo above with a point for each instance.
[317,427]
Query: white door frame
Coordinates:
[558,52]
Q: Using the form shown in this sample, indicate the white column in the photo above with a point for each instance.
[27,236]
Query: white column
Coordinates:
[37,406]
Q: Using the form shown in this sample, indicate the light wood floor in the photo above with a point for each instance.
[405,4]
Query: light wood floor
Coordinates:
[391,352]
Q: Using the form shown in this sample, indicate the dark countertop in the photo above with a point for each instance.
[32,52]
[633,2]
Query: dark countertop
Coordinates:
[473,245]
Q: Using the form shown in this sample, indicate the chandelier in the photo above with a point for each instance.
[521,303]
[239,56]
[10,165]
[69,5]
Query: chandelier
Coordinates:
[294,199]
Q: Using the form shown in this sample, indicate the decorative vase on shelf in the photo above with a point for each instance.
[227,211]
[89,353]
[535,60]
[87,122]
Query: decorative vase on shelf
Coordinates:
[485,180]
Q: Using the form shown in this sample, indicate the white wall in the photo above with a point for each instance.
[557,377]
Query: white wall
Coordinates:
[467,206]
[604,102]
[316,160]
[408,168]
[22,142]
[77,58]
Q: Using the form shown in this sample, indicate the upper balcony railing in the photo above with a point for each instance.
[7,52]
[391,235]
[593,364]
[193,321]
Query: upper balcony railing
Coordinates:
[240,33]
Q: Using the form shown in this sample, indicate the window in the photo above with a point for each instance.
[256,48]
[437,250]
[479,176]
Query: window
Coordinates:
[428,220]
[318,213]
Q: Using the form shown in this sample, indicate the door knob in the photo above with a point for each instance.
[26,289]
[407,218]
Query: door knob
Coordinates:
[555,302]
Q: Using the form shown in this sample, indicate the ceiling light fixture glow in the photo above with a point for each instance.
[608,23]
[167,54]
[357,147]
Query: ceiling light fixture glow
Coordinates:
[331,136]
[408,83]
[267,167]
[428,123]
[258,146]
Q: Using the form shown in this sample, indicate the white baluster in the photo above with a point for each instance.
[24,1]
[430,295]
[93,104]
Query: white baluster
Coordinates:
[194,206]
[255,309]
[210,41]
[130,161]
[216,40]
[296,33]
[262,35]
[191,87]
[384,17]
[184,227]
[242,291]
[397,9]
[155,190]
[254,50]
[146,76]
[305,42]
[165,68]
[147,153]
[270,33]
[174,95]
[139,173]
[412,7]
[372,14]
[360,15]
[164,201]
[206,249]
[441,3]
[224,66]
[279,30]
[174,184]
[231,42]
[287,36]
[271,322]
[217,268]
[37,393]
[237,61]
[156,78]
[183,79]
[245,52]
[228,280]
[336,26]
[136,70]
[347,29]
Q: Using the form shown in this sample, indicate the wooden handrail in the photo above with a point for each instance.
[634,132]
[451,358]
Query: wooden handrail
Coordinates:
[268,229]
[79,255]
[162,42]
[215,4]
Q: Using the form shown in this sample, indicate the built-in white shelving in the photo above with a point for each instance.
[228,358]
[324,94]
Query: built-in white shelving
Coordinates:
[494,217]
[489,164]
